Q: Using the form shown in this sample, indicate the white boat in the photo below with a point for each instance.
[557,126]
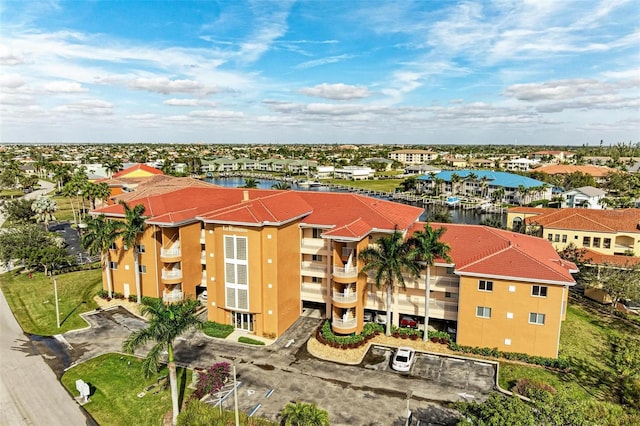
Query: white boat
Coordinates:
[309,183]
[453,201]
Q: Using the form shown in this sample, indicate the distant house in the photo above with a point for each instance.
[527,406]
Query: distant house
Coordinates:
[354,173]
[552,156]
[586,197]
[599,173]
[421,169]
[137,171]
[520,164]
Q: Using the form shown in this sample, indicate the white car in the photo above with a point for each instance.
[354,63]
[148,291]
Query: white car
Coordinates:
[403,359]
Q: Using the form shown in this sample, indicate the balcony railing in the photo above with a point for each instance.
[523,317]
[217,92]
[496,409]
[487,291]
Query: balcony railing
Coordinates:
[203,281]
[172,274]
[343,323]
[203,257]
[313,267]
[171,296]
[348,271]
[313,243]
[345,297]
[170,252]
[202,237]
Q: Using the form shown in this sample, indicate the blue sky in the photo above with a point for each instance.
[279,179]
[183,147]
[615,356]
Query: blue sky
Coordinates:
[425,72]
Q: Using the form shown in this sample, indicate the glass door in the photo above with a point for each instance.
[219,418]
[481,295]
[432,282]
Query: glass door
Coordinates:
[242,321]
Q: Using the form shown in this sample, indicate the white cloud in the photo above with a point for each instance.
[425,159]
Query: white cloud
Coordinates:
[11,81]
[188,102]
[166,86]
[216,114]
[9,57]
[64,87]
[86,107]
[323,61]
[338,91]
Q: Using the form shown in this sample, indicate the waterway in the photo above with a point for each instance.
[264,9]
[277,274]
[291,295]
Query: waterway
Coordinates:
[458,215]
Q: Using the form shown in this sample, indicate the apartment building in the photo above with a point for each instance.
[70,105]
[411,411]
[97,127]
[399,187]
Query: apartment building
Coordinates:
[609,232]
[265,255]
[413,156]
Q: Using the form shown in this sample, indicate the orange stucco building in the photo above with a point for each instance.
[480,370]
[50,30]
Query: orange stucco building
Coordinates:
[266,255]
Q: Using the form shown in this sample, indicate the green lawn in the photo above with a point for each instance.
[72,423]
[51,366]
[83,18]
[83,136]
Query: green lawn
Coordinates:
[33,304]
[385,185]
[117,382]
[584,340]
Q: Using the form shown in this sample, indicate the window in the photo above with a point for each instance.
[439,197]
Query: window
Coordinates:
[550,237]
[556,238]
[142,269]
[316,280]
[449,295]
[316,258]
[113,265]
[140,248]
[236,268]
[586,241]
[564,238]
[539,291]
[483,312]
[535,318]
[485,285]
[450,270]
[607,243]
[596,242]
[317,232]
[113,246]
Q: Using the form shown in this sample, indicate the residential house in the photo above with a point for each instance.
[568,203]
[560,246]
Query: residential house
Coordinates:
[599,173]
[266,255]
[586,197]
[413,156]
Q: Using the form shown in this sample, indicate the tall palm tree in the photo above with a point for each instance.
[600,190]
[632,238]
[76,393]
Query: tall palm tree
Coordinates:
[44,208]
[250,183]
[133,227]
[428,247]
[100,234]
[455,179]
[388,259]
[166,324]
[304,414]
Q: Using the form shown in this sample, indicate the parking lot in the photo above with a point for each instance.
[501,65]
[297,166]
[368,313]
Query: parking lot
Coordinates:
[468,375]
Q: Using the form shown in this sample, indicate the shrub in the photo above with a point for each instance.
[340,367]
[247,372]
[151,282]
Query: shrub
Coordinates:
[133,298]
[250,341]
[214,329]
[118,296]
[558,363]
[197,412]
[103,294]
[212,379]
[531,388]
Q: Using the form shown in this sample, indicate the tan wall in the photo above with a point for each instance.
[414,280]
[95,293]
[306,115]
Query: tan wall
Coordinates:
[288,305]
[190,260]
[576,237]
[491,332]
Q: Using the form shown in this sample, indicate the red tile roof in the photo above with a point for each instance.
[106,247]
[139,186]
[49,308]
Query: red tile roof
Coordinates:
[139,166]
[595,258]
[483,251]
[626,220]
[561,169]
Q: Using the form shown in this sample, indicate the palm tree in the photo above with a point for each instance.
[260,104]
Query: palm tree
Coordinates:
[133,227]
[455,179]
[99,236]
[112,166]
[97,191]
[389,259]
[428,247]
[44,208]
[304,414]
[166,323]
[250,183]
[281,186]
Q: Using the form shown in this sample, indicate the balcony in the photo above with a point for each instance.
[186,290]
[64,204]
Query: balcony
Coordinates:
[203,257]
[171,276]
[172,296]
[169,255]
[344,326]
[203,281]
[348,271]
[202,237]
[313,246]
[344,298]
[313,269]
[313,292]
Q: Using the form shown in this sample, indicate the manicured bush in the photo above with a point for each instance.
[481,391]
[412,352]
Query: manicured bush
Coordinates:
[557,363]
[214,329]
[212,379]
[250,341]
[133,298]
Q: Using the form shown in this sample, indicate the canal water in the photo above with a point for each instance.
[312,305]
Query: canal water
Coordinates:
[458,215]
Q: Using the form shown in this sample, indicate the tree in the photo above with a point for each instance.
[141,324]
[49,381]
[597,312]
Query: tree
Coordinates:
[455,179]
[304,414]
[18,210]
[281,186]
[497,410]
[99,235]
[409,184]
[619,282]
[97,191]
[428,248]
[32,246]
[439,214]
[112,166]
[388,259]
[166,324]
[250,183]
[132,228]
[44,208]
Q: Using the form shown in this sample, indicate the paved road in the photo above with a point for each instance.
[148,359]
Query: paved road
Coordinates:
[30,393]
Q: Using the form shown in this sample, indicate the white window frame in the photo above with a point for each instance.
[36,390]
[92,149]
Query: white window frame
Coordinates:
[534,318]
[486,283]
[483,314]
[235,262]
[113,265]
[539,287]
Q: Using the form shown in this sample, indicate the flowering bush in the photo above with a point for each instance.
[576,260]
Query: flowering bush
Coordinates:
[213,378]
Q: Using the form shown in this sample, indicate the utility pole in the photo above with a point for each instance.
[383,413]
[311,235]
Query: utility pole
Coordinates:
[55,295]
[235,396]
